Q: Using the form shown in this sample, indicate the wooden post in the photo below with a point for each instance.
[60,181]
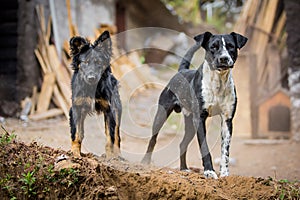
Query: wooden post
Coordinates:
[71,26]
[46,92]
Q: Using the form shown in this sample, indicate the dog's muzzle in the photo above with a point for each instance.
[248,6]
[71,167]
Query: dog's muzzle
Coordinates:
[91,79]
[222,67]
[224,63]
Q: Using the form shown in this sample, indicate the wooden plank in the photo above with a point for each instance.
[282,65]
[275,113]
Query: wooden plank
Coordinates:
[48,31]
[46,114]
[55,30]
[274,67]
[62,76]
[70,23]
[55,101]
[41,19]
[67,64]
[44,53]
[41,61]
[34,99]
[280,26]
[46,92]
[247,16]
[266,23]
[66,47]
[251,58]
[62,104]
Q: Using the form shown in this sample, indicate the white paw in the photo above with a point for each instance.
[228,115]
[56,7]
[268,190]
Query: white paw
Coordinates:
[223,174]
[186,170]
[210,174]
[224,171]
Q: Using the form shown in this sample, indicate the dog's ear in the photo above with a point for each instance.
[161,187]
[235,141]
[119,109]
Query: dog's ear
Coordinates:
[104,41]
[203,38]
[76,44]
[239,39]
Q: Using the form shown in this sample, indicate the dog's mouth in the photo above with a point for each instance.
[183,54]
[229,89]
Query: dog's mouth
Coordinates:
[223,67]
[91,80]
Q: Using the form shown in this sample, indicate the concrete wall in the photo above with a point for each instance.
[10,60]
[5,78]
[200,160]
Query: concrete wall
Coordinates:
[86,15]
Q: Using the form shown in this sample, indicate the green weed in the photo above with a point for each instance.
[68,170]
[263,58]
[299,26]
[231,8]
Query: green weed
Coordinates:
[288,189]
[5,184]
[6,138]
[28,181]
[70,175]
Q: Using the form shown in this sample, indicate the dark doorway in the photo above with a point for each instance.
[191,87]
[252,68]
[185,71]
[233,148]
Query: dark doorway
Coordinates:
[8,54]
[279,119]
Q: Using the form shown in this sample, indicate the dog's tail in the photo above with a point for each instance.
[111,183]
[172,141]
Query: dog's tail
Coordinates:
[186,60]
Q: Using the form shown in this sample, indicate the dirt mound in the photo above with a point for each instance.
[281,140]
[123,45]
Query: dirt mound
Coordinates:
[33,171]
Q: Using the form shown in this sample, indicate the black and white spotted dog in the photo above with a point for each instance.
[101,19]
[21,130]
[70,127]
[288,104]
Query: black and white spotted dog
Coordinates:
[94,89]
[202,93]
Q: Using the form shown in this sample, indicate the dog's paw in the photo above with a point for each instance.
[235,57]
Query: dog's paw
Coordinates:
[224,172]
[210,174]
[186,170]
[76,153]
[75,149]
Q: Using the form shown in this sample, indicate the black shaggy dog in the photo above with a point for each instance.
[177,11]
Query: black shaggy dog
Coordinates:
[94,88]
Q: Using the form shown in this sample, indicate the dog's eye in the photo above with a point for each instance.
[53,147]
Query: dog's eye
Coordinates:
[229,46]
[215,47]
[84,62]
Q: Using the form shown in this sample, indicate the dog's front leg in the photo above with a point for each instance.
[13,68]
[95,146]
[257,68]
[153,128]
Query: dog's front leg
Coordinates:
[209,171]
[77,130]
[225,144]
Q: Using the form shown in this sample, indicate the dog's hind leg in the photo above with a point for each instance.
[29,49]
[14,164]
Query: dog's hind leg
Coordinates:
[117,140]
[188,136]
[77,130]
[165,107]
[110,125]
[112,132]
[160,118]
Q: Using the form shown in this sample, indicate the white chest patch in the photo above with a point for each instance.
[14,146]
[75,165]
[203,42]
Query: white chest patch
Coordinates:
[218,91]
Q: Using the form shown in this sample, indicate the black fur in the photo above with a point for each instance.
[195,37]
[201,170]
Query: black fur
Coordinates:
[94,89]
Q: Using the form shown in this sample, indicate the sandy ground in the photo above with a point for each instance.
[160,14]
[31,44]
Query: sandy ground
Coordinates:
[259,158]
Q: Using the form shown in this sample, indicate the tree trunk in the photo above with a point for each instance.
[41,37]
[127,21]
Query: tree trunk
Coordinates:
[292,8]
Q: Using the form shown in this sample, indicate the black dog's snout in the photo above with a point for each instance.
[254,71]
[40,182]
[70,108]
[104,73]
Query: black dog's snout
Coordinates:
[91,78]
[224,59]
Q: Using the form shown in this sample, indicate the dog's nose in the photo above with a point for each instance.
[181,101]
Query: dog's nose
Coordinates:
[91,78]
[223,59]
